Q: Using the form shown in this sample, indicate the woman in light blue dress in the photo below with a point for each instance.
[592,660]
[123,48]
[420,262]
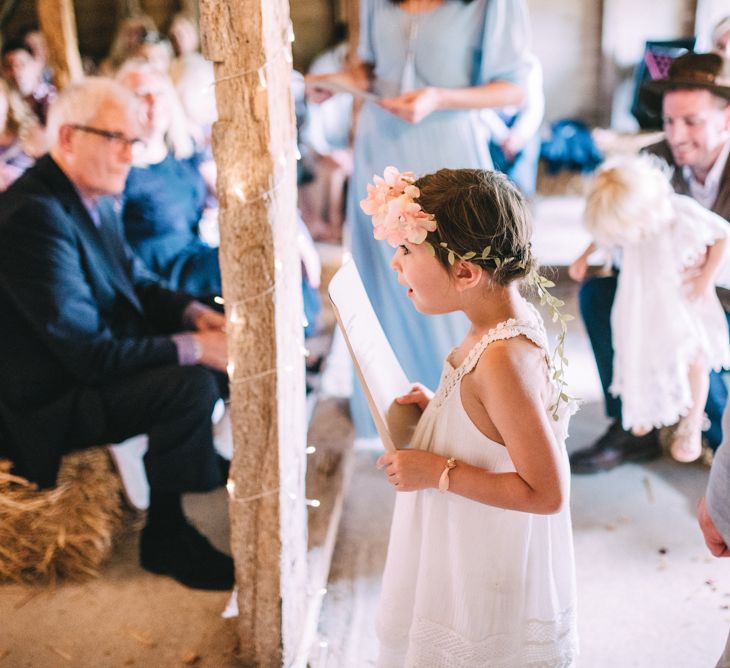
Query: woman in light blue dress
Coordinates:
[437,62]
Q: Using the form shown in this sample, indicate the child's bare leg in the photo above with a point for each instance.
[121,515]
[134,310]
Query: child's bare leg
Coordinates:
[686,444]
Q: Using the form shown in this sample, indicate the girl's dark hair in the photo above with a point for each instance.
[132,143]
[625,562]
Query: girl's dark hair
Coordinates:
[476,208]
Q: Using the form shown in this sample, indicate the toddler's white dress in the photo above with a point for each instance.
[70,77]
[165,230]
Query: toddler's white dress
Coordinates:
[467,585]
[656,331]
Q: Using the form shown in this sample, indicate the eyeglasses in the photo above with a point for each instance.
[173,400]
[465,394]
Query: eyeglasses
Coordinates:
[117,139]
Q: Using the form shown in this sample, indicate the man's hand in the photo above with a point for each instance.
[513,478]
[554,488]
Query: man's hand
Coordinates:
[714,541]
[208,319]
[213,348]
[409,470]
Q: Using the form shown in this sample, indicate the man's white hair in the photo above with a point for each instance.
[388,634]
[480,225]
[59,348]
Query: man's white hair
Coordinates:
[80,102]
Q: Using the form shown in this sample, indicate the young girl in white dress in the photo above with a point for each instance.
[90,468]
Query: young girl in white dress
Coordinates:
[668,328]
[480,568]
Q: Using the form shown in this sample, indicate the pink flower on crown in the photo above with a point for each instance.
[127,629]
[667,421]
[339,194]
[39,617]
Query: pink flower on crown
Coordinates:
[396,216]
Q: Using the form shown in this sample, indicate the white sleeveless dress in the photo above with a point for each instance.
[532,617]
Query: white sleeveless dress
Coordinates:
[656,331]
[468,585]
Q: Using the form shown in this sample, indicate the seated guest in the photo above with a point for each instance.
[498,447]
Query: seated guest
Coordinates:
[25,75]
[193,78]
[325,139]
[93,348]
[21,138]
[165,193]
[32,36]
[156,51]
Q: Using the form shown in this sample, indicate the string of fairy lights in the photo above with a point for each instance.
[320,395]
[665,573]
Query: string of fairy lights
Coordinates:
[235,318]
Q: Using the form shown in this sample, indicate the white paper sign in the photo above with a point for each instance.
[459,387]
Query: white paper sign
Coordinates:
[376,365]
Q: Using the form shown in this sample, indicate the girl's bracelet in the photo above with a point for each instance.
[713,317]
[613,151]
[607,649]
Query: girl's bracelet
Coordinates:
[444,479]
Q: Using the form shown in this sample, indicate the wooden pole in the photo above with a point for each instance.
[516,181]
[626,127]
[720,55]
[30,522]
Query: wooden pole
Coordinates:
[254,144]
[191,8]
[58,23]
[350,13]
[126,8]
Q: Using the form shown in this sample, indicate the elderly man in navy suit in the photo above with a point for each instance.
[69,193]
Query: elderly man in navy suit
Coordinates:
[93,347]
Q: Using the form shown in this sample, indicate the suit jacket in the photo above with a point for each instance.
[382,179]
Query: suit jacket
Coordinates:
[722,203]
[78,311]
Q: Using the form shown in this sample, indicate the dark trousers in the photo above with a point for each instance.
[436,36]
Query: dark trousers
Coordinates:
[173,406]
[595,300]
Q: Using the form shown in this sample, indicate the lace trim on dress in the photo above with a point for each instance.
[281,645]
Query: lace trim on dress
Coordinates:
[537,644]
[504,330]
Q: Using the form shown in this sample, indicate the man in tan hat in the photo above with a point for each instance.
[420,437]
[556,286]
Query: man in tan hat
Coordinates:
[694,102]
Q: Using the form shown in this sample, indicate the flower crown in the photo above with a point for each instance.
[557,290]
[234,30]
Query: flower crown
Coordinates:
[398,218]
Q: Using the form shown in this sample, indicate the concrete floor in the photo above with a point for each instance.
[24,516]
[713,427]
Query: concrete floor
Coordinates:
[650,595]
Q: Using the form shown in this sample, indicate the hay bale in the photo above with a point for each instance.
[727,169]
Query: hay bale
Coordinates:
[64,532]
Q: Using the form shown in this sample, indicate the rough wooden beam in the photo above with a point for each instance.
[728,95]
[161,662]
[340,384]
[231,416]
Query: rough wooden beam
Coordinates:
[58,23]
[254,146]
[191,8]
[352,16]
